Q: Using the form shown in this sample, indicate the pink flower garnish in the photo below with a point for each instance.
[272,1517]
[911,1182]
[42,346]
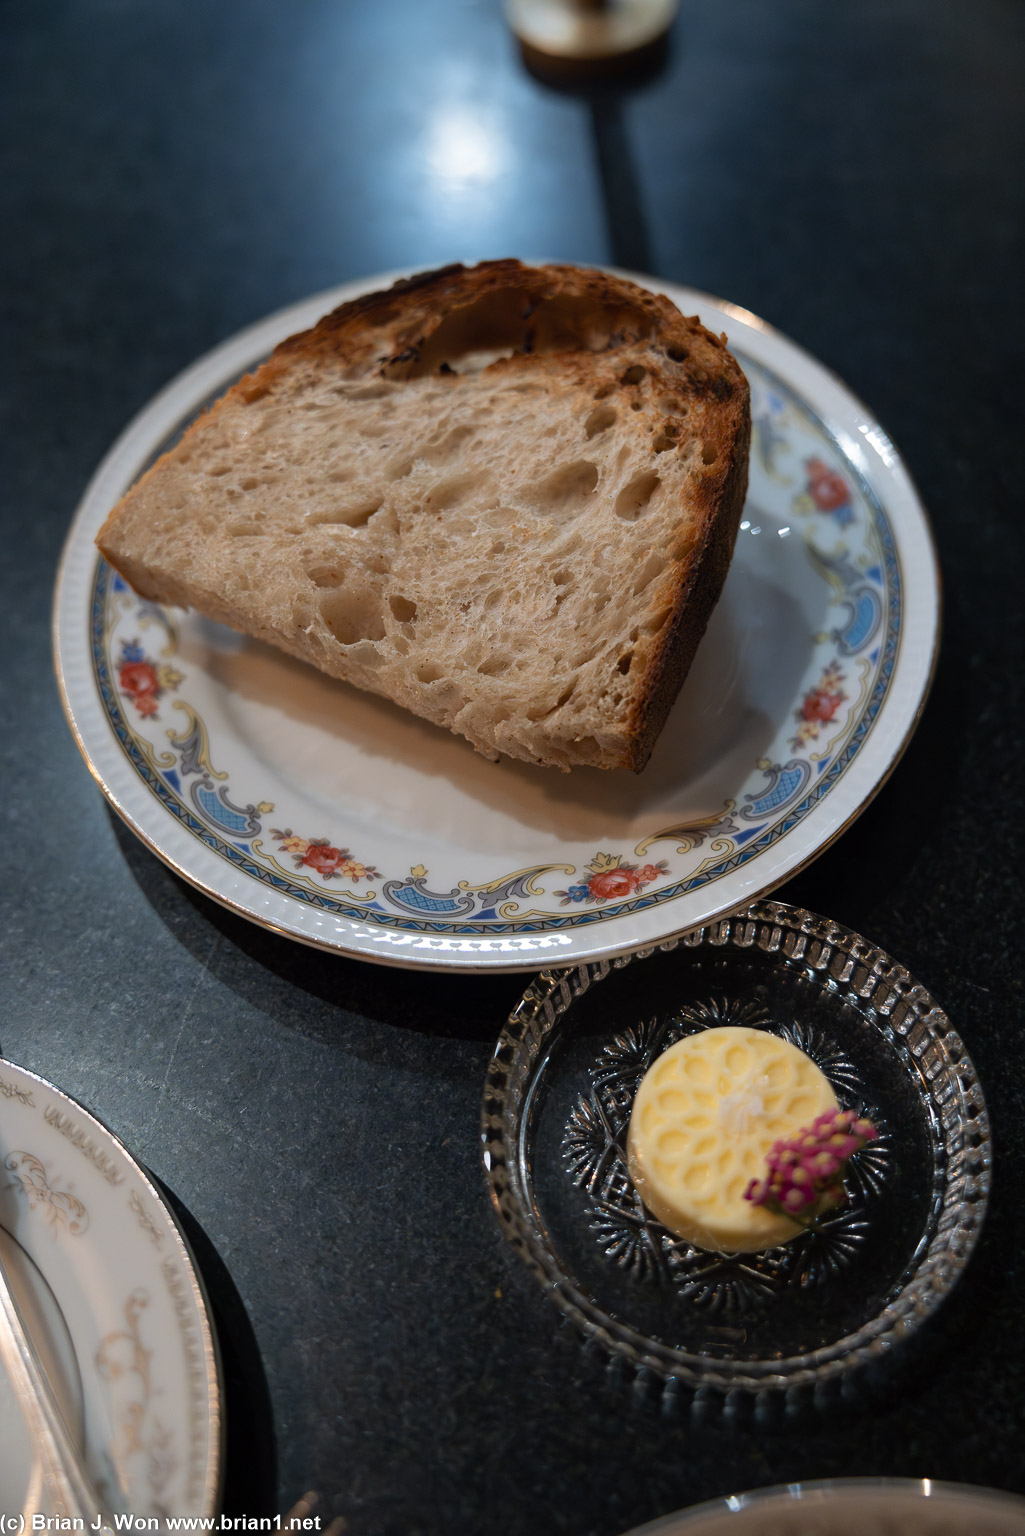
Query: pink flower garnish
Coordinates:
[805,1174]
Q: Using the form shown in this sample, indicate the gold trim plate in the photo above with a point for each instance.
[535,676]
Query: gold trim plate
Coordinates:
[363,830]
[119,1290]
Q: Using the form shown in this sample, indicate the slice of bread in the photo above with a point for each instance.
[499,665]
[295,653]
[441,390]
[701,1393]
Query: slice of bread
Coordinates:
[505,498]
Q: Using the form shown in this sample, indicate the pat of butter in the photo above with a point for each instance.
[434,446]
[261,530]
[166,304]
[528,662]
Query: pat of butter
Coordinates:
[705,1116]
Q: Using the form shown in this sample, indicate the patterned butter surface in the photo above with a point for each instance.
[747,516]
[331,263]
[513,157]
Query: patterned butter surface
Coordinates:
[706,1114]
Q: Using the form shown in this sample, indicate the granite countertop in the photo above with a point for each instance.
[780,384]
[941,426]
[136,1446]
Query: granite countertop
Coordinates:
[175,171]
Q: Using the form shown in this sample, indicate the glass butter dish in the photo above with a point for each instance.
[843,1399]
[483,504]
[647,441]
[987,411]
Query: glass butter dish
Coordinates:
[790,1323]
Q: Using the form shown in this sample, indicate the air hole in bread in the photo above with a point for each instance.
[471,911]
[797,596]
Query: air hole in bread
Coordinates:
[635,497]
[709,454]
[478,360]
[649,569]
[375,391]
[623,664]
[446,448]
[633,375]
[326,575]
[493,321]
[398,468]
[355,515]
[403,608]
[676,354]
[495,665]
[366,655]
[216,470]
[359,516]
[637,405]
[662,442]
[249,483]
[429,672]
[600,419]
[451,492]
[352,617]
[563,493]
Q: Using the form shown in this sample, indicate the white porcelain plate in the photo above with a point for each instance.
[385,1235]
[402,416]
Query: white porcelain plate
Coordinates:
[336,818]
[106,1284]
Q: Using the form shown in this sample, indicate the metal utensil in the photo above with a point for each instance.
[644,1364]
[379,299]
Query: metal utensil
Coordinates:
[61,1484]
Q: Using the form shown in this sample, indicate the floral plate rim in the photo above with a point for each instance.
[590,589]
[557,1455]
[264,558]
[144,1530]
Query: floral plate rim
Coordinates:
[435,940]
[70,1198]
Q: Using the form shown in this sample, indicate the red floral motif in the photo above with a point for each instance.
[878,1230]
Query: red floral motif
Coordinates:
[820,705]
[323,858]
[609,879]
[613,882]
[827,489]
[320,855]
[140,680]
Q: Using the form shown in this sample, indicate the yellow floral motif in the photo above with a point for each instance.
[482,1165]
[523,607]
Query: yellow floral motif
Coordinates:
[294,844]
[604,861]
[807,731]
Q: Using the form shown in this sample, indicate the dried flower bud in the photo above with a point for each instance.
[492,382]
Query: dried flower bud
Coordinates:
[805,1174]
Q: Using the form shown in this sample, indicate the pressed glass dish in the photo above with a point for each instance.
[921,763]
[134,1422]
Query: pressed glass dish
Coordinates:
[795,1321]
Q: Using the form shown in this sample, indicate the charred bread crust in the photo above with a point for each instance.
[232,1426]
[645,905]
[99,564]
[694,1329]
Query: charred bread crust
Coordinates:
[696,598]
[421,305]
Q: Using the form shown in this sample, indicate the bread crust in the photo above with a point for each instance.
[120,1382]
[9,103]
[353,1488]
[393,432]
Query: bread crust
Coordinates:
[566,329]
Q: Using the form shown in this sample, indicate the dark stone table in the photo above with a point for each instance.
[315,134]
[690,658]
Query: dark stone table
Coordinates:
[175,170]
